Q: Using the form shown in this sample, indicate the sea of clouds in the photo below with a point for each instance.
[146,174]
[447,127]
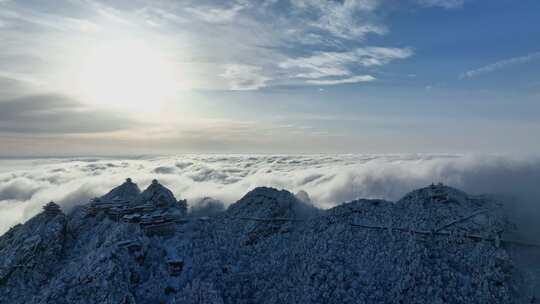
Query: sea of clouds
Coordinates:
[27,184]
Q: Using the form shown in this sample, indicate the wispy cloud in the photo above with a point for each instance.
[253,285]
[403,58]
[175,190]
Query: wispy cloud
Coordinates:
[47,20]
[216,14]
[499,65]
[354,79]
[442,3]
[244,77]
[332,64]
[345,19]
[320,65]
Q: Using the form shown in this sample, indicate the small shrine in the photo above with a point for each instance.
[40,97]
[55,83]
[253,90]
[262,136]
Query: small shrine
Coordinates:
[52,209]
[155,210]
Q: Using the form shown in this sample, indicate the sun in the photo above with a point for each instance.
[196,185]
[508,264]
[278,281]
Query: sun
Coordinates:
[126,74]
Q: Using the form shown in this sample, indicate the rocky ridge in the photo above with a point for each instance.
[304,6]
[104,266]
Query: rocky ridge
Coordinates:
[435,245]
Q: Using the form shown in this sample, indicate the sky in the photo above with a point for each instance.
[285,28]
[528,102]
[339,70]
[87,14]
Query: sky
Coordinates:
[86,77]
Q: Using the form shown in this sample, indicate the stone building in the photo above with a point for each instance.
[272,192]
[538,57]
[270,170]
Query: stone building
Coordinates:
[52,209]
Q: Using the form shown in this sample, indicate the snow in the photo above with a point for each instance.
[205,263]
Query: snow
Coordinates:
[127,191]
[274,247]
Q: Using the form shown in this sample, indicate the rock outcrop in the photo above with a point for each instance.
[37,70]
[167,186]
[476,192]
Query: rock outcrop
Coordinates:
[436,245]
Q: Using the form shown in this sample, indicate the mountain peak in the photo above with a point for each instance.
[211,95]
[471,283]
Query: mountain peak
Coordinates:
[158,195]
[267,202]
[436,194]
[437,204]
[127,191]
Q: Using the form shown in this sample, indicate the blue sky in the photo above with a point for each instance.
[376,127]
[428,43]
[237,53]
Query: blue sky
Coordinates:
[274,76]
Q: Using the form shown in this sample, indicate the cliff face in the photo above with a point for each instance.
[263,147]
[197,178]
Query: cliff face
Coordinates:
[436,245]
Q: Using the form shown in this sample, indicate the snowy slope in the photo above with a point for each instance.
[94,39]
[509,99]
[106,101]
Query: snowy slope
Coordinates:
[435,245]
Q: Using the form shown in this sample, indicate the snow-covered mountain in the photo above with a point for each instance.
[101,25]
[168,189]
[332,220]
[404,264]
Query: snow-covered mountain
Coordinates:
[435,245]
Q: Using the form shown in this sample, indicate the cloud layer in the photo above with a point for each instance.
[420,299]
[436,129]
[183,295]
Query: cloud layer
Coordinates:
[26,185]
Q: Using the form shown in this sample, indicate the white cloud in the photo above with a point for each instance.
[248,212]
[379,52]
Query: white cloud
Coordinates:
[244,77]
[376,56]
[442,3]
[320,65]
[354,79]
[345,19]
[331,64]
[499,65]
[320,72]
[216,14]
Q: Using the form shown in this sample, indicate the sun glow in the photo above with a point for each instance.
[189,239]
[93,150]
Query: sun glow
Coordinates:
[128,75]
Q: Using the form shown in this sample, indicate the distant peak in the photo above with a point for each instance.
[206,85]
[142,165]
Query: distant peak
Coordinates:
[267,202]
[267,191]
[436,194]
[267,195]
